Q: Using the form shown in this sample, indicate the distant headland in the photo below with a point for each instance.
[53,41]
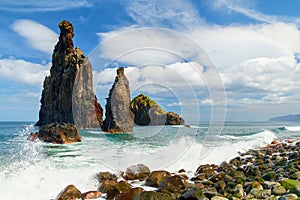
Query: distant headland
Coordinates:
[286,118]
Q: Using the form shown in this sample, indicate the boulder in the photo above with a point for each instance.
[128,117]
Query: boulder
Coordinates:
[102,176]
[148,112]
[278,190]
[193,193]
[139,172]
[173,184]
[69,193]
[117,188]
[68,95]
[156,177]
[289,183]
[91,195]
[59,133]
[118,114]
[130,194]
[151,195]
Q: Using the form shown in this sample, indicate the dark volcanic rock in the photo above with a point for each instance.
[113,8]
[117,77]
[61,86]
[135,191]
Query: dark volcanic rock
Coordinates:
[68,92]
[148,112]
[118,115]
[59,133]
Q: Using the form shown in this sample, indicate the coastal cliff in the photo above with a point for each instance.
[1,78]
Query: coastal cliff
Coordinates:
[68,95]
[118,115]
[148,112]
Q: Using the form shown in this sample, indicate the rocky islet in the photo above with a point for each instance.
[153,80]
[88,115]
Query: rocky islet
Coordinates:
[68,102]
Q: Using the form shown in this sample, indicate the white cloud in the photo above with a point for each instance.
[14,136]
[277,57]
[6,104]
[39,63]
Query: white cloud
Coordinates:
[23,71]
[164,13]
[43,6]
[144,46]
[247,8]
[230,45]
[36,35]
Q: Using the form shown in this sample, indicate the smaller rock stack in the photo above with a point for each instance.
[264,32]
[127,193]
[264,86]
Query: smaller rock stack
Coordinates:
[148,112]
[118,115]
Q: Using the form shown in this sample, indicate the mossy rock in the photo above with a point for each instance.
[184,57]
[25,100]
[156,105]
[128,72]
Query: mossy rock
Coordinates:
[289,183]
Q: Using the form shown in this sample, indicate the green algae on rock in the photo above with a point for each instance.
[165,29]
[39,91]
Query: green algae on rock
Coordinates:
[148,112]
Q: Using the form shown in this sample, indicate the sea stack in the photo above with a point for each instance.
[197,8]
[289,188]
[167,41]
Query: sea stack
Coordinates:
[118,114]
[68,95]
[148,112]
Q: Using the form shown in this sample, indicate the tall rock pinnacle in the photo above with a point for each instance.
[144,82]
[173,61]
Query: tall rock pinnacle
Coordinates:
[118,114]
[68,95]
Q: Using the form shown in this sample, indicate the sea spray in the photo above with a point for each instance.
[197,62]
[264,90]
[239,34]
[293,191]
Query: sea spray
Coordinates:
[40,171]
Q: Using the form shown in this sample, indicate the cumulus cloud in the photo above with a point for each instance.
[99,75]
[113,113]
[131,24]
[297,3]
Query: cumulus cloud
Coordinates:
[43,6]
[23,71]
[36,35]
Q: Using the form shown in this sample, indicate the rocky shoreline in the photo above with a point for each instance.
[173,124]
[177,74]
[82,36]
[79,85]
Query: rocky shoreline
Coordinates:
[270,172]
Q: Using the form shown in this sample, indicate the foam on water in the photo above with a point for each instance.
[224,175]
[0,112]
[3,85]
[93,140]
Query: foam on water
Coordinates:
[41,171]
[292,128]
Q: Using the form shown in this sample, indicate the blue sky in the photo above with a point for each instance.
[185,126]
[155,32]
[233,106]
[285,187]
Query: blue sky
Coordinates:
[254,45]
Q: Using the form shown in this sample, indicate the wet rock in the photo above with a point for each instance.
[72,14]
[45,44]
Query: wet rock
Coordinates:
[107,185]
[218,198]
[91,195]
[295,190]
[130,194]
[68,95]
[268,176]
[151,195]
[140,172]
[260,194]
[200,177]
[69,193]
[117,188]
[173,184]
[239,191]
[102,176]
[59,133]
[156,177]
[278,191]
[289,197]
[295,176]
[192,194]
[118,115]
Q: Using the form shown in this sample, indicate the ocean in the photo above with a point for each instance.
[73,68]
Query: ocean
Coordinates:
[36,170]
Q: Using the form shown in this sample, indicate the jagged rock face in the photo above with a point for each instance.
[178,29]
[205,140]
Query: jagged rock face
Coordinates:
[68,92]
[148,112]
[118,115]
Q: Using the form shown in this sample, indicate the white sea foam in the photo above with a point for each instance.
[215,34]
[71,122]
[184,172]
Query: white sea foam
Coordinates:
[292,128]
[77,164]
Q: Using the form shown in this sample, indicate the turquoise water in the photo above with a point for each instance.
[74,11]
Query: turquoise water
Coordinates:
[36,165]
